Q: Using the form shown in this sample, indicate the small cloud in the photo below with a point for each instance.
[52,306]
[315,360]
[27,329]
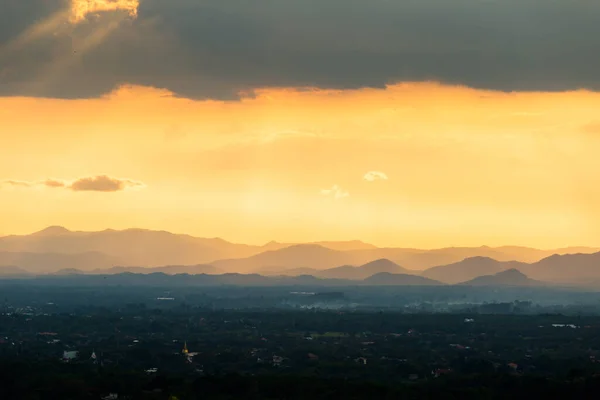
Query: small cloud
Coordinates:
[15,183]
[100,183]
[373,176]
[103,183]
[335,191]
[54,183]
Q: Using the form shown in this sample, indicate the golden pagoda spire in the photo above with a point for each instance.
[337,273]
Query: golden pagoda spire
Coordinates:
[185,349]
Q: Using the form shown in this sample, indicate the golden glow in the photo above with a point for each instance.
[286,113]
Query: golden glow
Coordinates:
[81,9]
[463,166]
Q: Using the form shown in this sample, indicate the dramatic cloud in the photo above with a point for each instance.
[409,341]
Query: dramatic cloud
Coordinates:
[100,183]
[335,191]
[372,176]
[218,49]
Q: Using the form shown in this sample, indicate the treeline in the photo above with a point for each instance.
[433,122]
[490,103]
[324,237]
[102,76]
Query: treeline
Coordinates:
[40,381]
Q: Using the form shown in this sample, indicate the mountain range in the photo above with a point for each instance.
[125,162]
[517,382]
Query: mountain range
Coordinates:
[572,269]
[162,279]
[139,247]
[469,268]
[347,271]
[59,250]
[510,277]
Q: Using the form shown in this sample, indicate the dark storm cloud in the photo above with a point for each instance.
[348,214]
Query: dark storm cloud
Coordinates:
[217,48]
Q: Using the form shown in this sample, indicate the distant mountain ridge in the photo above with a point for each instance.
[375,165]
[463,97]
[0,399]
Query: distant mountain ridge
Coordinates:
[11,271]
[51,262]
[162,279]
[296,256]
[389,279]
[348,271]
[573,269]
[348,245]
[578,269]
[568,268]
[168,270]
[131,247]
[509,277]
[57,248]
[468,269]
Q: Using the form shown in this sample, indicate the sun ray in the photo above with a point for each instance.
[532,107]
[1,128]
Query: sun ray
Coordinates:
[61,65]
[43,28]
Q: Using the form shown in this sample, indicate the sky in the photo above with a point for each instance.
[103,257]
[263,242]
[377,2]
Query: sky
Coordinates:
[398,122]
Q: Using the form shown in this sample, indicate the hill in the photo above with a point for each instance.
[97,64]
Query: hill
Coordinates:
[468,269]
[51,262]
[168,270]
[159,279]
[416,259]
[363,271]
[298,256]
[41,252]
[510,277]
[11,271]
[346,271]
[568,268]
[348,245]
[129,247]
[311,258]
[389,279]
[141,247]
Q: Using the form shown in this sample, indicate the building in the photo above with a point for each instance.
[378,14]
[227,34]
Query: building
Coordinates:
[70,355]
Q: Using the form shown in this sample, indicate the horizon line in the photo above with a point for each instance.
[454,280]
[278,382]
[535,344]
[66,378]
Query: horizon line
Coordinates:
[292,243]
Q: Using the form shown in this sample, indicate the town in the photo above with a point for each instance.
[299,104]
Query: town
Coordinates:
[164,347]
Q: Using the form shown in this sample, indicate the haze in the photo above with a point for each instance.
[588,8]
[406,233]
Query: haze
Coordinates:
[401,124]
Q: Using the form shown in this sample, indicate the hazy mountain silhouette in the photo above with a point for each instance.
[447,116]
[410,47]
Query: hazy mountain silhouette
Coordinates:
[140,247]
[159,279]
[411,259]
[297,256]
[340,246]
[580,269]
[56,248]
[346,245]
[389,279]
[510,277]
[468,269]
[568,268]
[363,271]
[169,270]
[12,271]
[52,231]
[68,271]
[417,259]
[346,271]
[51,262]
[131,247]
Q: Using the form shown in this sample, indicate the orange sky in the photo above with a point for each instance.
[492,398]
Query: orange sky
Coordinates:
[463,166]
